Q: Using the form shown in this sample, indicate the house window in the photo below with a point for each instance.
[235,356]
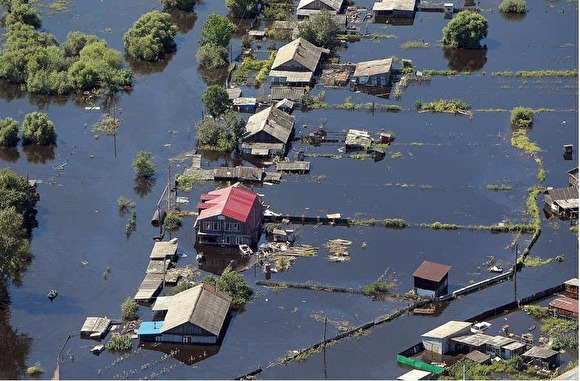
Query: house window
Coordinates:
[212,225]
[241,240]
[158,338]
[232,226]
[187,339]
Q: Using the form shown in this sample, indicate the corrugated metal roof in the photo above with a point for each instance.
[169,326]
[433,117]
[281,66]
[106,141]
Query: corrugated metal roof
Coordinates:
[292,76]
[299,50]
[477,356]
[475,340]
[415,374]
[499,341]
[513,346]
[201,305]
[374,67]
[332,4]
[450,328]
[431,271]
[390,5]
[566,304]
[162,250]
[540,352]
[284,92]
[272,121]
[233,202]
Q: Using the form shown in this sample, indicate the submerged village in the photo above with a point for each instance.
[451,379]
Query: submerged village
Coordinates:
[278,189]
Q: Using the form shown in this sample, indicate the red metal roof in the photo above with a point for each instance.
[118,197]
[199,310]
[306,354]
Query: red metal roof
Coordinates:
[232,202]
[566,304]
[431,271]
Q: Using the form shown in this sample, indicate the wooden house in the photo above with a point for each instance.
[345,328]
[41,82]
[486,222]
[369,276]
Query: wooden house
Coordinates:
[430,279]
[229,217]
[563,202]
[438,340]
[571,288]
[194,316]
[373,73]
[543,357]
[478,357]
[294,94]
[357,140]
[573,177]
[307,8]
[296,63]
[564,307]
[387,9]
[268,133]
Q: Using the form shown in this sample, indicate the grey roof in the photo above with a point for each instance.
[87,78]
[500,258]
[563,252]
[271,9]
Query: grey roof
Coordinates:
[499,341]
[540,352]
[514,346]
[234,92]
[475,340]
[450,328]
[285,103]
[201,305]
[299,50]
[284,92]
[572,282]
[244,101]
[292,76]
[477,356]
[567,198]
[272,121]
[398,5]
[162,250]
[374,67]
[332,4]
[415,374]
[573,172]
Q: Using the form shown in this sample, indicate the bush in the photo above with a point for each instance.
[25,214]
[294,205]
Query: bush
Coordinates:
[217,30]
[185,183]
[38,129]
[320,30]
[232,284]
[182,5]
[223,135]
[9,132]
[182,286]
[465,31]
[120,343]
[172,221]
[376,288]
[34,370]
[522,117]
[125,205]
[143,166]
[243,9]
[151,37]
[216,100]
[129,309]
[513,6]
[212,56]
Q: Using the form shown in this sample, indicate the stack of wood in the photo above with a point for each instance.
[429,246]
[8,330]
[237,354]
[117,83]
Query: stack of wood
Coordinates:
[338,250]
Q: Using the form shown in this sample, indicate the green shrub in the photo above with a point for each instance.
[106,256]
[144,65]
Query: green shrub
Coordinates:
[9,132]
[465,31]
[212,56]
[182,286]
[143,166]
[151,37]
[34,370]
[129,309]
[38,129]
[443,105]
[182,5]
[233,284]
[520,140]
[185,183]
[522,117]
[125,205]
[172,221]
[376,288]
[120,343]
[513,6]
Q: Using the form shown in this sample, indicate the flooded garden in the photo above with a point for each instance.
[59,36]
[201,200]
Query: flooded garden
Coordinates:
[448,177]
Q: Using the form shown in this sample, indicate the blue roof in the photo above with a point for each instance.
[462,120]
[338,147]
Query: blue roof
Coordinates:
[150,328]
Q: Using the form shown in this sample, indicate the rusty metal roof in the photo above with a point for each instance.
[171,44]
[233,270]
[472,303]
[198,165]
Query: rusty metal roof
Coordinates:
[431,271]
[566,304]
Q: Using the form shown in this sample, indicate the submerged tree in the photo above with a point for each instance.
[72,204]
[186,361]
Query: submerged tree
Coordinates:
[513,6]
[143,166]
[9,132]
[151,37]
[243,9]
[38,129]
[320,30]
[181,5]
[212,56]
[217,30]
[216,100]
[232,284]
[465,31]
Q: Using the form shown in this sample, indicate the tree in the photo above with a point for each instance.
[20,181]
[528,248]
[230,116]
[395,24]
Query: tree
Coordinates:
[22,12]
[232,284]
[522,117]
[222,135]
[212,56]
[151,37]
[75,42]
[172,221]
[216,100]
[465,31]
[9,132]
[243,9]
[15,192]
[181,5]
[15,252]
[513,6]
[38,129]
[143,166]
[217,30]
[129,309]
[320,30]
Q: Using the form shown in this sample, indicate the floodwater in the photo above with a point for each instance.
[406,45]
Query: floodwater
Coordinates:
[80,246]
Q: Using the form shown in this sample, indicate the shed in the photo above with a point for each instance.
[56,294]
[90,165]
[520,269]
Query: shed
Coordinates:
[430,279]
[438,340]
[564,307]
[394,9]
[164,250]
[495,346]
[242,104]
[571,288]
[285,105]
[562,201]
[470,343]
[513,349]
[373,73]
[234,92]
[478,357]
[357,140]
[542,356]
[573,177]
[95,327]
[416,374]
[294,94]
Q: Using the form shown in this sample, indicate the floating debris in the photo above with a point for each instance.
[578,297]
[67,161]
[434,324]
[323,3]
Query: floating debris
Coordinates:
[338,250]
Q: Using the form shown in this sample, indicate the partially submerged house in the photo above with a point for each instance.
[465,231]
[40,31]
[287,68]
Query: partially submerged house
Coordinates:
[430,279]
[543,357]
[564,307]
[563,202]
[494,346]
[571,288]
[438,340]
[229,217]
[392,9]
[358,140]
[296,63]
[194,316]
[373,73]
[307,8]
[294,94]
[268,133]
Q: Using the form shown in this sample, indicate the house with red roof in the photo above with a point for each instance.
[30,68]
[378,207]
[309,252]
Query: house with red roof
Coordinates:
[229,217]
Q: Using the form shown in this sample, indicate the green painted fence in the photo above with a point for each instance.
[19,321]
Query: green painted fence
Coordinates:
[420,364]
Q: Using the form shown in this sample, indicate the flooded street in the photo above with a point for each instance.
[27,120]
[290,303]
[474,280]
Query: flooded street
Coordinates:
[441,172]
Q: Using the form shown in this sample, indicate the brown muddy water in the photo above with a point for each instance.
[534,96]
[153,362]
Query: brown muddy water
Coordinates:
[441,174]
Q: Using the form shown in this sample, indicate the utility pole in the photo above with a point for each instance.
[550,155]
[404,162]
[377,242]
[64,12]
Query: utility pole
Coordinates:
[515,273]
[324,347]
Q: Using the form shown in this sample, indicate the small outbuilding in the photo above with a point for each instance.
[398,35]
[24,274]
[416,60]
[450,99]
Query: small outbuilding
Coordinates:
[562,202]
[543,357]
[430,279]
[245,104]
[564,307]
[394,9]
[478,357]
[438,340]
[573,177]
[358,140]
[571,288]
[373,73]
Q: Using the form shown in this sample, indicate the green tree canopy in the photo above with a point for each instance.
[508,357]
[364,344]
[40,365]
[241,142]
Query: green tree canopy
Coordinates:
[38,129]
[216,100]
[243,9]
[75,42]
[513,6]
[15,252]
[151,37]
[181,5]
[22,12]
[212,56]
[143,166]
[221,135]
[14,192]
[217,30]
[232,284]
[465,31]
[9,132]
[320,30]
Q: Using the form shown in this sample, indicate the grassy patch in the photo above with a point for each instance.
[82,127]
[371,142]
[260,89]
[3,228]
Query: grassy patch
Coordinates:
[574,229]
[454,106]
[395,223]
[537,73]
[522,117]
[396,155]
[441,226]
[382,36]
[34,370]
[377,288]
[498,187]
[537,261]
[59,5]
[314,102]
[390,108]
[520,140]
[445,73]
[414,45]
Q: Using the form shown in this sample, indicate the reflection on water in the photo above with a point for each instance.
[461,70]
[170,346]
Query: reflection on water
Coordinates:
[38,154]
[213,76]
[183,20]
[186,353]
[465,59]
[14,349]
[215,259]
[143,186]
[9,154]
[512,16]
[145,67]
[10,91]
